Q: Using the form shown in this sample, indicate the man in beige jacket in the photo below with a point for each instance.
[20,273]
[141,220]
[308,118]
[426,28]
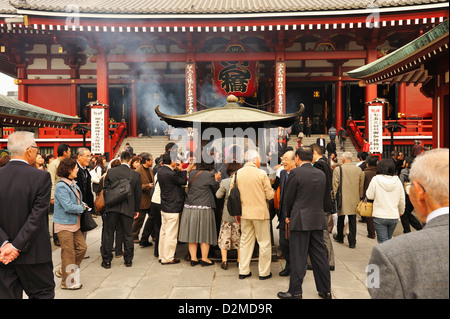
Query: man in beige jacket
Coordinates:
[352,192]
[254,186]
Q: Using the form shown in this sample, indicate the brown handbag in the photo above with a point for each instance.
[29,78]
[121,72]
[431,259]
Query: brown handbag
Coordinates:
[100,200]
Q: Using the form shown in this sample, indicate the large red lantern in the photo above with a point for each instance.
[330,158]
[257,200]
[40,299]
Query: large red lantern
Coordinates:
[239,78]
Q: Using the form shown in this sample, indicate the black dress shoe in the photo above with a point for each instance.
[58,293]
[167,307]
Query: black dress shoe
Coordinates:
[204,263]
[332,268]
[128,264]
[145,244]
[195,262]
[245,276]
[352,246]
[335,237]
[284,273]
[325,295]
[265,277]
[288,295]
[106,265]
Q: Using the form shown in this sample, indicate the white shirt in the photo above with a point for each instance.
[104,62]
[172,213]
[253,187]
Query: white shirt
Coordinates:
[438,212]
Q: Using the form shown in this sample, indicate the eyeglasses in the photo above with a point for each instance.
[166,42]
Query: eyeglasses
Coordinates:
[35,147]
[407,187]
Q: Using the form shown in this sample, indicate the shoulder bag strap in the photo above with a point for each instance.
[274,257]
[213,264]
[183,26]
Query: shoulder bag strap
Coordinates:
[190,182]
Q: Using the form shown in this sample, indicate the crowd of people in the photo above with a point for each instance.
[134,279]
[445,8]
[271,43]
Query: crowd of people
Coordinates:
[171,200]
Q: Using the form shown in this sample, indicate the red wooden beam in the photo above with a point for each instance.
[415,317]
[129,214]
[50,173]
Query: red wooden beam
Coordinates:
[254,56]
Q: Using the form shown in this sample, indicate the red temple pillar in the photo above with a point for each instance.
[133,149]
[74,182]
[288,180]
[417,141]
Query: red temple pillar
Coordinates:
[22,90]
[370,90]
[133,118]
[402,99]
[73,98]
[103,92]
[338,94]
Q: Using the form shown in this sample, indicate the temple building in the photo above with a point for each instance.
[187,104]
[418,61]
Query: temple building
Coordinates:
[126,57]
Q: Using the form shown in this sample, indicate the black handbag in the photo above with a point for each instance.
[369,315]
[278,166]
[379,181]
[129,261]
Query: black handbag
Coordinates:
[87,222]
[234,204]
[117,191]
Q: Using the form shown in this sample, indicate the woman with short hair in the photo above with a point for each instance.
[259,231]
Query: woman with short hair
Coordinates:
[69,206]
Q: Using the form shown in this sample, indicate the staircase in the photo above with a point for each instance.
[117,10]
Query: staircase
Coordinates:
[154,145]
[349,147]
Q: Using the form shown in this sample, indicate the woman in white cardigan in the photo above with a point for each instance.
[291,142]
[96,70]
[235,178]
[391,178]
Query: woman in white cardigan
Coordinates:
[388,195]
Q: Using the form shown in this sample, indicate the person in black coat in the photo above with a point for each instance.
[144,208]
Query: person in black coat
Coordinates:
[122,213]
[171,180]
[288,161]
[321,163]
[304,205]
[26,252]
[84,177]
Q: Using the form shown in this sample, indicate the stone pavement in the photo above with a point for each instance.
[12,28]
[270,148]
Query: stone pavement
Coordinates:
[148,279]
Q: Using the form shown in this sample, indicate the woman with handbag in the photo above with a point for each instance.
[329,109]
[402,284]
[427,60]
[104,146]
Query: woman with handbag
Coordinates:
[198,222]
[386,190]
[230,230]
[67,215]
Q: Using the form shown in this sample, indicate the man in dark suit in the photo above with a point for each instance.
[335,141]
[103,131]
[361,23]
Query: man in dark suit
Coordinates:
[281,148]
[288,161]
[321,163]
[122,213]
[304,205]
[171,178]
[321,142]
[83,177]
[25,253]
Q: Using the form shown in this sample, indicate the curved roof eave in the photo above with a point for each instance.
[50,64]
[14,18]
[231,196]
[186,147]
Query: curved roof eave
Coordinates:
[439,32]
[183,9]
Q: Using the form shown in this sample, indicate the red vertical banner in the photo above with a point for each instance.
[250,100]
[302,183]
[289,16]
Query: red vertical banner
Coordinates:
[191,94]
[370,90]
[133,122]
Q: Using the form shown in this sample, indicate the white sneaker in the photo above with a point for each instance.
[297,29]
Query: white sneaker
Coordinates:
[58,273]
[73,287]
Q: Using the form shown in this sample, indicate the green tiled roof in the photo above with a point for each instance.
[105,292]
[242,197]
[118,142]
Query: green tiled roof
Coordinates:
[21,110]
[436,34]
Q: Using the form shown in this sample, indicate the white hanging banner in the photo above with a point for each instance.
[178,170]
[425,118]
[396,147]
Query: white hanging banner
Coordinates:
[97,131]
[376,128]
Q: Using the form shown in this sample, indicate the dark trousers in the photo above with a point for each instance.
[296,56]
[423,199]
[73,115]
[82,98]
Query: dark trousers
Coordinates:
[155,211]
[302,243]
[284,246]
[408,219]
[149,226]
[351,228]
[138,222]
[370,227]
[110,223]
[36,280]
